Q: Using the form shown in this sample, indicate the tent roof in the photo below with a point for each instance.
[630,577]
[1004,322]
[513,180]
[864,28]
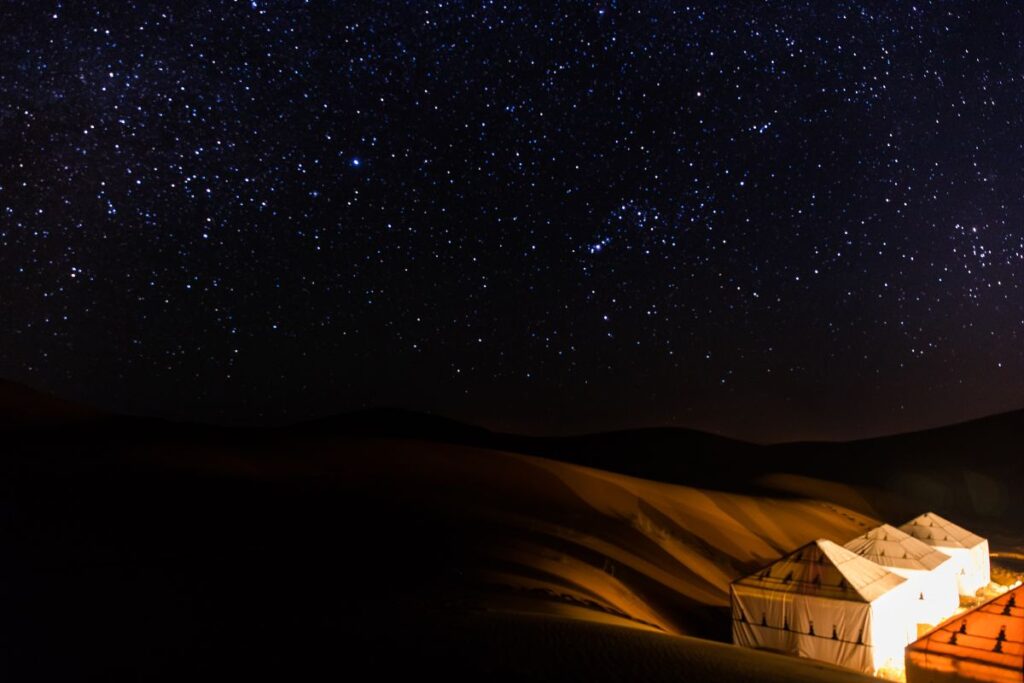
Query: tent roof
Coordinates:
[890,547]
[824,569]
[939,532]
[977,636]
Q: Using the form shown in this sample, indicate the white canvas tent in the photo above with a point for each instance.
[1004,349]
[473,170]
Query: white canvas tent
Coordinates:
[824,602]
[969,552]
[933,573]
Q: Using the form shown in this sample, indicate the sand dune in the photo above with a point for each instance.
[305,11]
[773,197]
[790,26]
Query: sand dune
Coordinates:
[160,550]
[565,649]
[659,555]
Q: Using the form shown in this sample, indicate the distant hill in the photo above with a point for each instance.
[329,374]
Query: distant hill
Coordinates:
[637,450]
[22,406]
[973,470]
[996,436]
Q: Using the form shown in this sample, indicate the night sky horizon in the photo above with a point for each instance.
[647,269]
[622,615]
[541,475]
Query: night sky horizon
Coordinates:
[788,222]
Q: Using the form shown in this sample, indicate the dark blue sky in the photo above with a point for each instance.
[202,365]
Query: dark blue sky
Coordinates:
[791,220]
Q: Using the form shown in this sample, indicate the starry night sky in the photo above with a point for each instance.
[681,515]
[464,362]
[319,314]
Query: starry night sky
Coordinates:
[784,220]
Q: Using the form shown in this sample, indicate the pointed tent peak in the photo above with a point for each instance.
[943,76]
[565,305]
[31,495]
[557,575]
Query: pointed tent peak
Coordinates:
[891,547]
[886,532]
[938,531]
[824,569]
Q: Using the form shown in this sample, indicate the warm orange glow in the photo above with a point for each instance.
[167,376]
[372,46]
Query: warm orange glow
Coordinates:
[984,644]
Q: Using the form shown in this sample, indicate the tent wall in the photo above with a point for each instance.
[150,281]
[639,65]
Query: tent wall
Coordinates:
[784,622]
[979,566]
[937,592]
[893,625]
[972,569]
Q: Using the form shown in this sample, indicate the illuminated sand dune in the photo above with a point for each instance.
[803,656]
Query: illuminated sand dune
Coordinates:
[562,538]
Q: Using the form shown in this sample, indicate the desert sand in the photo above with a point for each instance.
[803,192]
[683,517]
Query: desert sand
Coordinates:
[141,549]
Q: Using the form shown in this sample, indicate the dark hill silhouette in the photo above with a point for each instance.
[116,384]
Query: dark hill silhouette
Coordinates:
[22,406]
[973,468]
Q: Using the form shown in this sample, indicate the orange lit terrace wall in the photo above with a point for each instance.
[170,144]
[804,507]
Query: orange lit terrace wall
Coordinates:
[926,667]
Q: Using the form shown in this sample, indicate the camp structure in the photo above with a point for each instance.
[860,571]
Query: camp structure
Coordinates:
[969,551]
[985,644]
[933,572]
[824,602]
